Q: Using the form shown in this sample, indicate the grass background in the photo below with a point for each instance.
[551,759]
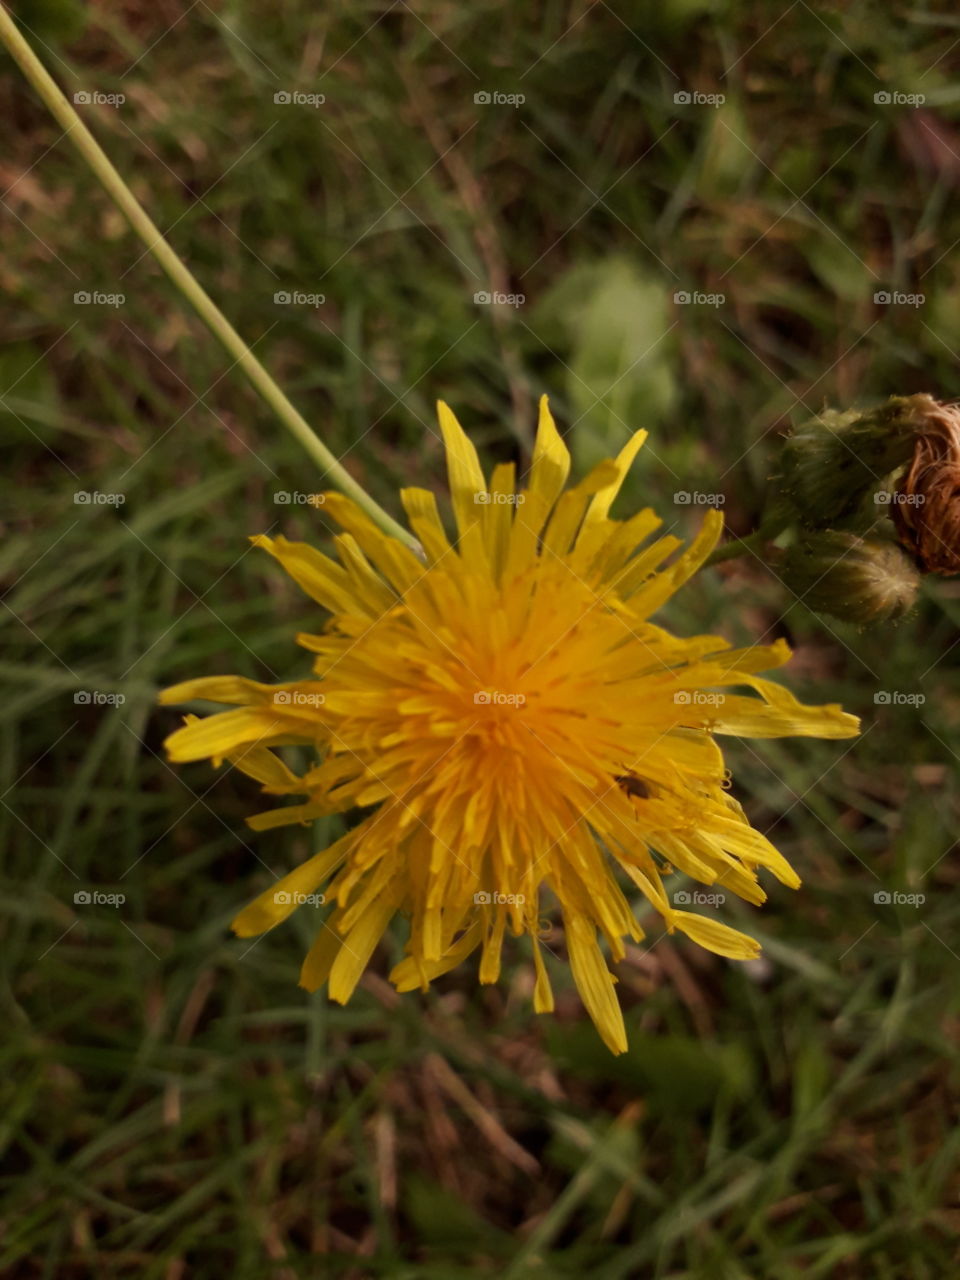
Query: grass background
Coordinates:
[174,1105]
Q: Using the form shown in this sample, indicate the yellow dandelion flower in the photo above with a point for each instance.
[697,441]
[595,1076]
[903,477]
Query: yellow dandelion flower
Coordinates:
[517,726]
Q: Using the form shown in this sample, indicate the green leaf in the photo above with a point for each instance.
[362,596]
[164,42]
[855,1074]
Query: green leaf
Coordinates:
[621,362]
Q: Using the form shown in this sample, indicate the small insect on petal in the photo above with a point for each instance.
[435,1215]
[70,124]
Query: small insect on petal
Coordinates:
[633,785]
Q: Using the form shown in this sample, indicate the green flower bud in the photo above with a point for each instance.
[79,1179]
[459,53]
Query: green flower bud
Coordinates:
[832,465]
[856,579]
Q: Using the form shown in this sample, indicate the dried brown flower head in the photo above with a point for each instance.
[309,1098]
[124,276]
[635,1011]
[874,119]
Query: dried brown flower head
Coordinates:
[926,506]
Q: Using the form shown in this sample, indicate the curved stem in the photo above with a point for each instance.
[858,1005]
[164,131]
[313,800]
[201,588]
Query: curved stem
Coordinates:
[738,547]
[81,137]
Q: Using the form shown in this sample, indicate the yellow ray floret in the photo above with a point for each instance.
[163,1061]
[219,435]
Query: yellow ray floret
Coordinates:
[523,736]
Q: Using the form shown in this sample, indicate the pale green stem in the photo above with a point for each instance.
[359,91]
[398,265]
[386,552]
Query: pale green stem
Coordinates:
[199,299]
[739,547]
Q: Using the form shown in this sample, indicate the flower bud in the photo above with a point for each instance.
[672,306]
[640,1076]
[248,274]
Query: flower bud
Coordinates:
[855,579]
[926,505]
[830,466]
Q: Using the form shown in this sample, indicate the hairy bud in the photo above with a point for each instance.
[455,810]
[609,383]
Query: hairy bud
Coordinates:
[830,466]
[856,579]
